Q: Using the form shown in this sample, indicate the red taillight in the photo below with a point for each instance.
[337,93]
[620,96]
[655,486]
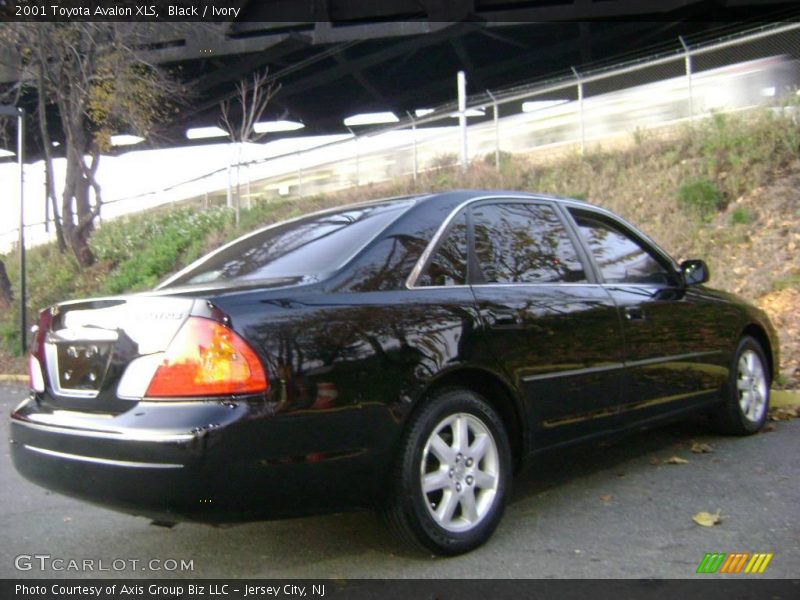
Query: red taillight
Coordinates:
[207,359]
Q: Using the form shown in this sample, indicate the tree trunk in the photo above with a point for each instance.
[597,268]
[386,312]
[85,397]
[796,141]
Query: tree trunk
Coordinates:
[51,197]
[85,226]
[6,296]
[77,229]
[50,186]
[76,209]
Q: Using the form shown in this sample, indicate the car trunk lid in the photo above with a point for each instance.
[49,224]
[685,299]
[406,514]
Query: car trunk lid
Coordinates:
[85,347]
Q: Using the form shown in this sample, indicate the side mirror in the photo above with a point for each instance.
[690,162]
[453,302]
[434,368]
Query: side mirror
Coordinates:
[694,272]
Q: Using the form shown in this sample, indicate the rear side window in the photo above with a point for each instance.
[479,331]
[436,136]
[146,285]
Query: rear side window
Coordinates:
[308,247]
[449,263]
[620,258]
[524,243]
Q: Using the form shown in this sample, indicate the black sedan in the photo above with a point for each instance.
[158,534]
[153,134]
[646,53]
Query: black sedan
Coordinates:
[406,354]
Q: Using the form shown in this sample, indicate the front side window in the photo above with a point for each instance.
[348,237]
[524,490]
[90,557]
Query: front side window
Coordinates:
[519,242]
[621,259]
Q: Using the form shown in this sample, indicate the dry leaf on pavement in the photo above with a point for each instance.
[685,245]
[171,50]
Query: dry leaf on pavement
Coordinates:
[784,413]
[701,448]
[676,460]
[707,519]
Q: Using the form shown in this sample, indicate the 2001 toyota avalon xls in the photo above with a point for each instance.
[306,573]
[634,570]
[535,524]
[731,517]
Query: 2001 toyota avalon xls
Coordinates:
[405,354]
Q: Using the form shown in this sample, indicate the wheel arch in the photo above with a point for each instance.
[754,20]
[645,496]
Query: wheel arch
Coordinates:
[499,393]
[760,335]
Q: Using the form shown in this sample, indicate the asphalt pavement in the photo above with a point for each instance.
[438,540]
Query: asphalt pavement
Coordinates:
[611,510]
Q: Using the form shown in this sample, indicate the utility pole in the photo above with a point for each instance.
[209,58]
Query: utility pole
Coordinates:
[461,80]
[496,131]
[580,109]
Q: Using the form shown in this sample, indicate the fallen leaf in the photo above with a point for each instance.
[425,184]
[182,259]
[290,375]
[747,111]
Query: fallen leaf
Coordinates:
[701,448]
[705,519]
[676,460]
[768,429]
[67,519]
[606,498]
[784,413]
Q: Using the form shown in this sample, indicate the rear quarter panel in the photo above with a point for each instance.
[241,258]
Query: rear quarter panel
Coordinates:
[353,366]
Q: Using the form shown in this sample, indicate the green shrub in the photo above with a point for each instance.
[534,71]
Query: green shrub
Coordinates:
[700,197]
[490,159]
[787,282]
[9,334]
[143,249]
[743,151]
[122,238]
[740,216]
[446,160]
[641,135]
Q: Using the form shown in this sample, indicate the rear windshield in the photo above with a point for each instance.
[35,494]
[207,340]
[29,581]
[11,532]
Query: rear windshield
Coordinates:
[310,247]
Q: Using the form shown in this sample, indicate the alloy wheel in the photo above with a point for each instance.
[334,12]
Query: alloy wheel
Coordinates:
[752,386]
[459,472]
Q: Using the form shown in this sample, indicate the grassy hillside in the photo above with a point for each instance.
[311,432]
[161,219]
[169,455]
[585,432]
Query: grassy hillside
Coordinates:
[727,190]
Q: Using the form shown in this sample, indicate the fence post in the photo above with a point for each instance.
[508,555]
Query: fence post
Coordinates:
[299,176]
[688,61]
[461,81]
[249,197]
[358,164]
[229,193]
[580,109]
[495,109]
[358,157]
[238,199]
[414,140]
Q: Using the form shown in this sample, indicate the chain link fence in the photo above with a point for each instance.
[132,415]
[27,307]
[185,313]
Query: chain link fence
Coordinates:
[690,81]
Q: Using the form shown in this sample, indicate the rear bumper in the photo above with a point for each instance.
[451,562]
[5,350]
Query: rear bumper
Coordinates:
[239,466]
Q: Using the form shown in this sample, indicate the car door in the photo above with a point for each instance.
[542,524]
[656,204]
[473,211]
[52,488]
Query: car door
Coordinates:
[673,359]
[550,325]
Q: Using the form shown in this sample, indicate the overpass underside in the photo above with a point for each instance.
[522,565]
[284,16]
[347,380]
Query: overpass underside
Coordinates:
[335,58]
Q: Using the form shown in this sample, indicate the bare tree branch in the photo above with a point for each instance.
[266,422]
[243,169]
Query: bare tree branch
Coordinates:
[252,99]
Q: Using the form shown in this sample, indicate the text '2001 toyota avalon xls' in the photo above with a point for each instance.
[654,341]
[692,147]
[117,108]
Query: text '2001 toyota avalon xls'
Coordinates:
[404,354]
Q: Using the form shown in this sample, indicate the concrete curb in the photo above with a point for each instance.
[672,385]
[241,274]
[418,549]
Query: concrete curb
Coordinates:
[14,378]
[784,398]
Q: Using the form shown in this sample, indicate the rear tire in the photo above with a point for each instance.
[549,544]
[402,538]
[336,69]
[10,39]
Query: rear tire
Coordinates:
[744,411]
[452,475]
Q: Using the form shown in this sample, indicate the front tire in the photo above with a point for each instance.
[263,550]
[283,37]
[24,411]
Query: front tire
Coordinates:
[747,395]
[452,475]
